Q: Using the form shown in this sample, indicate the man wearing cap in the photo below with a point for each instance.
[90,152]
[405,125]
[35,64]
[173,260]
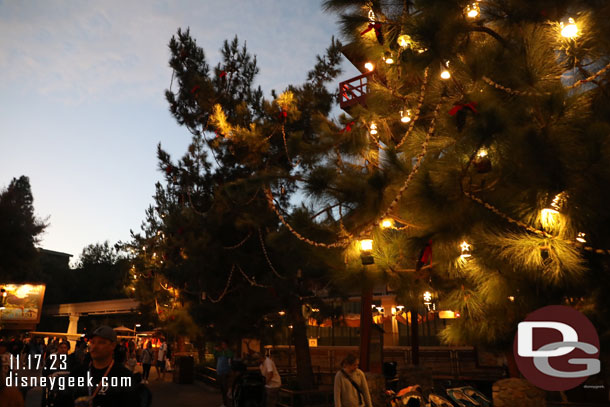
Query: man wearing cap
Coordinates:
[106,383]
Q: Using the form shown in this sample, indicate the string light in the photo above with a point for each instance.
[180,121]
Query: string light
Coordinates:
[445,74]
[581,237]
[373,128]
[482,153]
[511,298]
[570,30]
[473,10]
[404,41]
[465,247]
[369,66]
[387,57]
[387,223]
[405,115]
[549,217]
[427,296]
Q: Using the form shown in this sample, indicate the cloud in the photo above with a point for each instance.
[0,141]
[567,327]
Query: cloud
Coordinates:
[73,51]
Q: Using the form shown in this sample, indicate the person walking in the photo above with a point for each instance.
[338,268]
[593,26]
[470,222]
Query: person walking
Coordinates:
[351,388]
[273,381]
[223,357]
[160,365]
[147,358]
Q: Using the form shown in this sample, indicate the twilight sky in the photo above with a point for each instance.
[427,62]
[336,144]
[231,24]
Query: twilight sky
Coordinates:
[82,99]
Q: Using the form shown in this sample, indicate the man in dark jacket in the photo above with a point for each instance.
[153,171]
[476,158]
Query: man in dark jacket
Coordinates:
[103,382]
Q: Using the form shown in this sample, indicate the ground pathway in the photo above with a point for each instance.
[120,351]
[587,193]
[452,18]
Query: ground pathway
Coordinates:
[165,393]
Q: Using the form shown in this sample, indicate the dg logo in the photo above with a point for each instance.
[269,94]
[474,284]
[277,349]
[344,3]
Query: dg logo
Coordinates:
[557,348]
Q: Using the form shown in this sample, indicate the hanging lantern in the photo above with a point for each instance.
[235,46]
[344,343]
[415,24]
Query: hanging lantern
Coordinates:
[482,163]
[405,115]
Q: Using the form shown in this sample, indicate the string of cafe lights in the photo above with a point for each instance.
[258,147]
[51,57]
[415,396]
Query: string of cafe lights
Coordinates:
[260,237]
[420,104]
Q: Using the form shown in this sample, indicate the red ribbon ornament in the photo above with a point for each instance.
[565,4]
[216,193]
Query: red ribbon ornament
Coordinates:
[472,106]
[223,75]
[348,127]
[373,26]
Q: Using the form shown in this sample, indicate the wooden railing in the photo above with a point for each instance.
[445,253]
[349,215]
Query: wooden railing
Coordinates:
[353,91]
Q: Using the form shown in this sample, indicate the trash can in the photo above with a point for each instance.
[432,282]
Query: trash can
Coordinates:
[184,369]
[389,373]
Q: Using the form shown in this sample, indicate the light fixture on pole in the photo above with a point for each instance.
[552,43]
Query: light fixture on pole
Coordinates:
[366,310]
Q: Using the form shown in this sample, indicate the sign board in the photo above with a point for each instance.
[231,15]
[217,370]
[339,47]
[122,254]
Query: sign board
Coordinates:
[21,303]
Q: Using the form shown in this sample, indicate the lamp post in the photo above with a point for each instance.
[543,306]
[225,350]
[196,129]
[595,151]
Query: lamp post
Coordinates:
[366,311]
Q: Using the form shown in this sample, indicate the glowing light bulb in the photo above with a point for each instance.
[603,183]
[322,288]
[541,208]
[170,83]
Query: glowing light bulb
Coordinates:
[404,41]
[473,10]
[366,245]
[570,30]
[373,128]
[405,116]
[427,296]
[465,247]
[445,74]
[387,223]
[369,66]
[389,60]
[581,237]
[511,298]
[482,153]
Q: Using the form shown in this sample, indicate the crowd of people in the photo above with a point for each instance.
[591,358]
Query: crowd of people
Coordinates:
[106,364]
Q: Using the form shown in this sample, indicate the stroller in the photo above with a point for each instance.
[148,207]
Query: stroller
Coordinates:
[249,390]
[468,397]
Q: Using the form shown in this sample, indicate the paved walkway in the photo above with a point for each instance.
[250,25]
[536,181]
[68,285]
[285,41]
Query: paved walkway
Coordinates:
[165,393]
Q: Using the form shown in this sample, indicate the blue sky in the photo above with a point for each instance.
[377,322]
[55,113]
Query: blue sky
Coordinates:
[82,96]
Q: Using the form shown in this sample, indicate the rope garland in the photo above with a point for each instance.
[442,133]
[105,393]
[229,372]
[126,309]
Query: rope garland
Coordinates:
[530,228]
[415,170]
[272,205]
[240,244]
[224,292]
[535,93]
[420,103]
[590,78]
[252,281]
[285,143]
[508,218]
[260,237]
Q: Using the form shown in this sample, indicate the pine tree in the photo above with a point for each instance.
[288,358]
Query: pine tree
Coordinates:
[20,231]
[212,245]
[485,134]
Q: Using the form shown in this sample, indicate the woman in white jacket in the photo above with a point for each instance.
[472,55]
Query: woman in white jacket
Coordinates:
[351,388]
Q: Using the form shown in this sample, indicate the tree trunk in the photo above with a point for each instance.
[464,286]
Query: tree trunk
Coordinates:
[366,326]
[414,336]
[513,370]
[305,376]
